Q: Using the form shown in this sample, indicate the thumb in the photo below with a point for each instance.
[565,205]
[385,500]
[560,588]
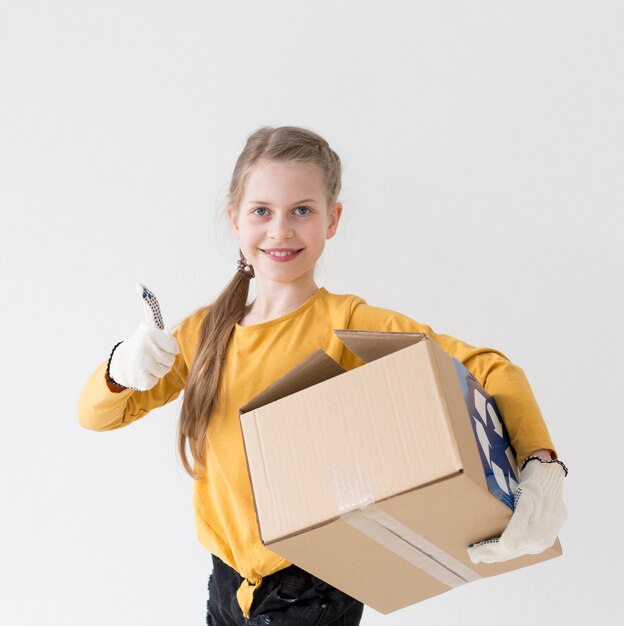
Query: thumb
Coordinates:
[151,308]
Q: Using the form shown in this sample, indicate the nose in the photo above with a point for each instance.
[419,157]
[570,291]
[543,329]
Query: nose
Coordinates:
[280,229]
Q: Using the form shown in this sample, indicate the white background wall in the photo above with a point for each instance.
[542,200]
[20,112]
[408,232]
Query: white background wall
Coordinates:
[482,145]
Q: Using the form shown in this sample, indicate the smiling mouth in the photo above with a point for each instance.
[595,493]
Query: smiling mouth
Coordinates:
[282,251]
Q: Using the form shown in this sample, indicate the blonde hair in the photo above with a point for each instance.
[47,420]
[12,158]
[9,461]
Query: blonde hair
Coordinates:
[285,143]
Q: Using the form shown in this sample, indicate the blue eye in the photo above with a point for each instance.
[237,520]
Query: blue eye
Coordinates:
[261,208]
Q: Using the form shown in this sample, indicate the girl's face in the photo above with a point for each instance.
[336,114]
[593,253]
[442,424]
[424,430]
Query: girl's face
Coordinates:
[284,206]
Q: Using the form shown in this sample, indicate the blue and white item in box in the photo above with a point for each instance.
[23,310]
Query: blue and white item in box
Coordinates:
[497,455]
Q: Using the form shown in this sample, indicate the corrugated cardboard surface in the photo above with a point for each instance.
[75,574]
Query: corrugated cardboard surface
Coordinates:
[358,443]
[371,479]
[451,514]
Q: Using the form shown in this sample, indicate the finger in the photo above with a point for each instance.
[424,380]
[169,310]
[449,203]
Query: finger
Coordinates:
[490,551]
[159,347]
[166,342]
[159,344]
[163,361]
[159,370]
[151,308]
[151,381]
[480,552]
[513,538]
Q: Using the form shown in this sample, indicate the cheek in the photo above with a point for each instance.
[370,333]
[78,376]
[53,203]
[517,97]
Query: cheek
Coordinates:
[314,230]
[248,232]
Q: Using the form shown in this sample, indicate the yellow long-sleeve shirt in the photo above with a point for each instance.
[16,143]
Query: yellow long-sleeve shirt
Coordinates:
[256,356]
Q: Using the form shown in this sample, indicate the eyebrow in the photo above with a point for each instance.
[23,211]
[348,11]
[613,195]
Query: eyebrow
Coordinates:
[265,202]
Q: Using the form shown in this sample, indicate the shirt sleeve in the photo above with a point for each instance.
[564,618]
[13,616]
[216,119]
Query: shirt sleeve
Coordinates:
[101,409]
[501,379]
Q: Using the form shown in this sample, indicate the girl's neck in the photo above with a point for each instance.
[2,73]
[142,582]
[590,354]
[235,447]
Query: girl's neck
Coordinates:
[277,303]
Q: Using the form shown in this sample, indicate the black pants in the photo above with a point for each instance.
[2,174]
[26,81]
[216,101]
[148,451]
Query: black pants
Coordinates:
[290,596]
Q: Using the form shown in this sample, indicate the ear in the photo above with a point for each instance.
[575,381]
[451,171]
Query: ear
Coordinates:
[334,218]
[233,222]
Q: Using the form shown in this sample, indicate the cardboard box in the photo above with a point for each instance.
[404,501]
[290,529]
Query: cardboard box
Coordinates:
[378,478]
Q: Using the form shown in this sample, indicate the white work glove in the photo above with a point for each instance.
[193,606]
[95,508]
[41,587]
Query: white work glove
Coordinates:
[148,354]
[539,514]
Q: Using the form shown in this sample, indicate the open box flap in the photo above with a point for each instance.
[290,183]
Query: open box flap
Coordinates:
[314,369]
[375,344]
[369,345]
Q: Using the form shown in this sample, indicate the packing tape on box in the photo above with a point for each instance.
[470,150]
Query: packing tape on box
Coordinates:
[404,542]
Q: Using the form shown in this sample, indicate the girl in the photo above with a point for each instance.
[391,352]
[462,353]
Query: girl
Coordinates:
[282,206]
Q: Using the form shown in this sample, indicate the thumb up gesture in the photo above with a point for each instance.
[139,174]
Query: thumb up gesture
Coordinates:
[149,353]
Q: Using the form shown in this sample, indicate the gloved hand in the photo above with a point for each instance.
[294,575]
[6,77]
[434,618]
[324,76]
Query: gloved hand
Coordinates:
[539,514]
[148,354]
